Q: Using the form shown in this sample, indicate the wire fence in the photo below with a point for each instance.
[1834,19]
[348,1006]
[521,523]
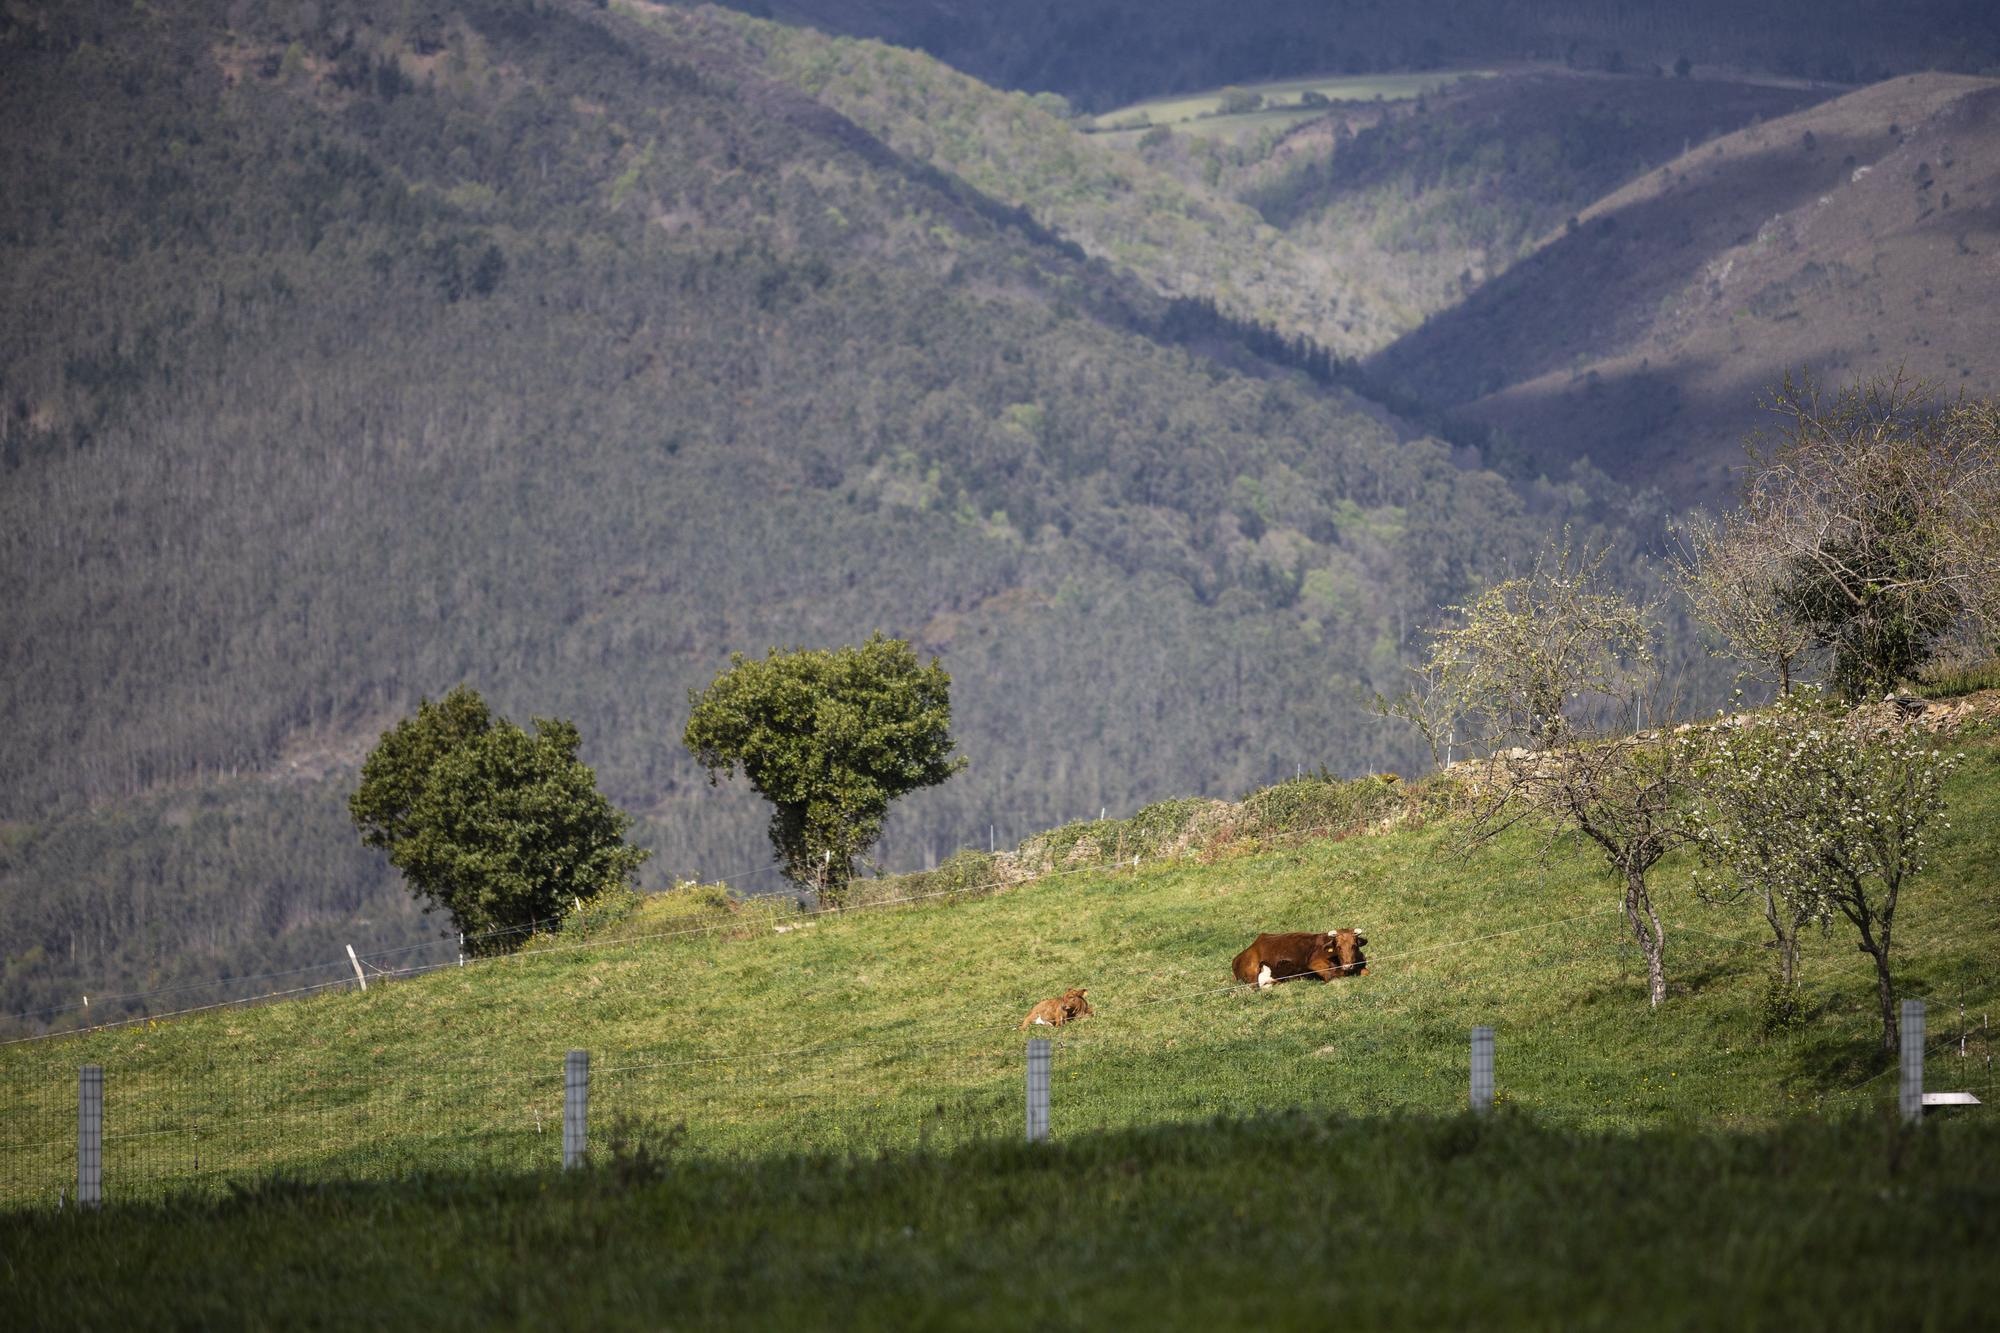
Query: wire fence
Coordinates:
[193,1115]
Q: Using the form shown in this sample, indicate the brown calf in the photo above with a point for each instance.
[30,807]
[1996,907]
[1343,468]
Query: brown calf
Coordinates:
[1326,955]
[1054,1013]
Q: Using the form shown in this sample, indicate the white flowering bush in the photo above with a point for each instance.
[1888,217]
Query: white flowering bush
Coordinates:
[1823,816]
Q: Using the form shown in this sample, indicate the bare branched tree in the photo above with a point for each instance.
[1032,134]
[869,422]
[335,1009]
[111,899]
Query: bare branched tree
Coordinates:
[1884,510]
[1733,573]
[1552,672]
[1528,652]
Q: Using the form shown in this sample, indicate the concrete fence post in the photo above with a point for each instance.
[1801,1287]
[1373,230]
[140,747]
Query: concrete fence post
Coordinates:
[1482,1069]
[90,1136]
[576,1106]
[1911,1097]
[1038,1089]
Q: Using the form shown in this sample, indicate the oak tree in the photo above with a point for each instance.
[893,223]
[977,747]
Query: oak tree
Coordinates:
[499,827]
[830,737]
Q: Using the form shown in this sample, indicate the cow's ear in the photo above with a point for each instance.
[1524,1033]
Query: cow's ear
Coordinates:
[1360,940]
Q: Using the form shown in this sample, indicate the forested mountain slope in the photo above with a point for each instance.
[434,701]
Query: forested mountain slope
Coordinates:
[1855,238]
[355,351]
[1175,230]
[1441,194]
[1105,52]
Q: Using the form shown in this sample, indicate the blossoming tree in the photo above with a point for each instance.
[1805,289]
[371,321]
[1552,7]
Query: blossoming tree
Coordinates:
[1824,815]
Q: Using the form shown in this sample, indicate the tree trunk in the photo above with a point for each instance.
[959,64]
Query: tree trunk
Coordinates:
[1877,947]
[1890,1033]
[1652,936]
[1787,942]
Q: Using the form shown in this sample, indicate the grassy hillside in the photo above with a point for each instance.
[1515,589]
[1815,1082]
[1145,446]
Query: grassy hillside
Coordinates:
[1281,103]
[818,1120]
[1854,237]
[355,351]
[893,1026]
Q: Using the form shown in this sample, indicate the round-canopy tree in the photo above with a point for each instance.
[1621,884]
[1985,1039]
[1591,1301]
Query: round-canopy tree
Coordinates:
[1880,511]
[498,827]
[829,737]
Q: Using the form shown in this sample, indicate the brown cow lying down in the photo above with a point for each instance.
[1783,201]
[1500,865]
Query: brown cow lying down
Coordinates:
[1326,955]
[1054,1013]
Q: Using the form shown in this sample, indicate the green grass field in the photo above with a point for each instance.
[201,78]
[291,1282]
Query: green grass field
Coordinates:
[865,1066]
[1288,1221]
[1200,113]
[894,1026]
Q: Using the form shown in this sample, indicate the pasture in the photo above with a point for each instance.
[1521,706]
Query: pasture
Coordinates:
[821,1124]
[1201,113]
[894,1027]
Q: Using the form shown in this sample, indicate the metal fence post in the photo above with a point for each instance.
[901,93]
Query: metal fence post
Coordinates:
[1482,1069]
[90,1136]
[576,1106]
[1912,1096]
[1038,1089]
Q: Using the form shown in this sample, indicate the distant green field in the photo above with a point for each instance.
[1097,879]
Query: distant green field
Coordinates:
[1198,113]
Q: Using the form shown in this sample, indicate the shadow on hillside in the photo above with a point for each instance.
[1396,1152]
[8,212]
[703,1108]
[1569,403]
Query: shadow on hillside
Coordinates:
[654,1157]
[1836,1065]
[1599,287]
[1673,427]
[1684,978]
[1527,137]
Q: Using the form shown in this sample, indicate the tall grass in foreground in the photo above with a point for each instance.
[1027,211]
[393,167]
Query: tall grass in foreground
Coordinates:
[1301,1219]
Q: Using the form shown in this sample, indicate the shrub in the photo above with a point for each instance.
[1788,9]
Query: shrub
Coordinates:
[693,898]
[1948,680]
[606,910]
[1782,1010]
[500,827]
[1161,827]
[1320,804]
